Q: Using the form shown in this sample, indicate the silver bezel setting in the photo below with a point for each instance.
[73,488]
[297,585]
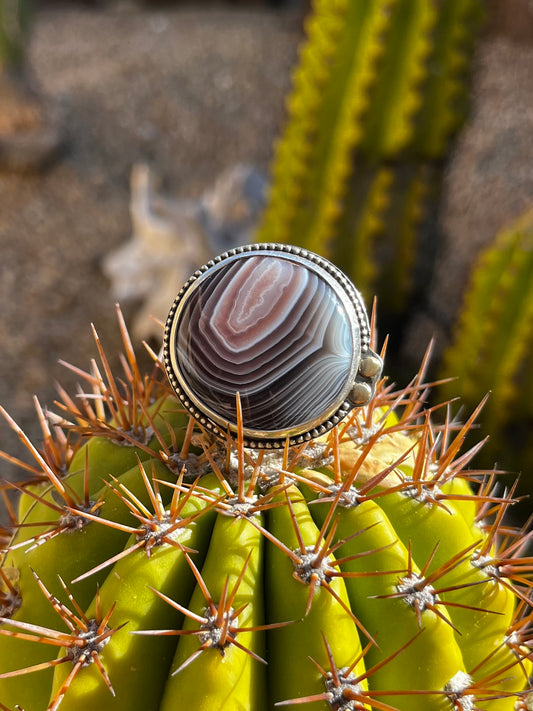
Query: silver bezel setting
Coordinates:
[360,384]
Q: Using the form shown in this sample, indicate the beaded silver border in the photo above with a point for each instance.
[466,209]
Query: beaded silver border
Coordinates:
[359,390]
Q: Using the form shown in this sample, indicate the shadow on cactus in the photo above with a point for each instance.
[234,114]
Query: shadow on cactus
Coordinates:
[379,93]
[152,566]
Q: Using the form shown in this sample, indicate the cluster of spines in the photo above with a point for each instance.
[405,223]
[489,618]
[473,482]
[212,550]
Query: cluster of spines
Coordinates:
[379,92]
[310,519]
[490,350]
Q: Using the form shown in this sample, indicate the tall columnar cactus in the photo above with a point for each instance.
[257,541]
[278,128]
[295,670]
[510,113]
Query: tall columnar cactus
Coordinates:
[379,92]
[491,348]
[153,568]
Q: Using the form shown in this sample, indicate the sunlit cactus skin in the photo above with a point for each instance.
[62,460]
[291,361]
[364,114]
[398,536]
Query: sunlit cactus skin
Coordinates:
[380,91]
[152,568]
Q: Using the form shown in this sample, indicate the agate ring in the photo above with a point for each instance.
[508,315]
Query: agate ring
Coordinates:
[281,327]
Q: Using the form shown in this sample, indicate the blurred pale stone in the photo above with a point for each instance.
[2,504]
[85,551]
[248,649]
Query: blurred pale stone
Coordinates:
[172,237]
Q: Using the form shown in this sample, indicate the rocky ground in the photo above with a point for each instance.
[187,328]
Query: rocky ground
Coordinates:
[193,89]
[190,91]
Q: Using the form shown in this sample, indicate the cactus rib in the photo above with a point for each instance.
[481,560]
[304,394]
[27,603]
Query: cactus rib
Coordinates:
[369,569]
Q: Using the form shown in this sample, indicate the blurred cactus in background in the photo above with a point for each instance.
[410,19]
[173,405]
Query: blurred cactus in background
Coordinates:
[492,345]
[380,91]
[15,25]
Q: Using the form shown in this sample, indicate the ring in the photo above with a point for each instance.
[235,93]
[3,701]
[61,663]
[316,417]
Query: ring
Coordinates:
[279,328]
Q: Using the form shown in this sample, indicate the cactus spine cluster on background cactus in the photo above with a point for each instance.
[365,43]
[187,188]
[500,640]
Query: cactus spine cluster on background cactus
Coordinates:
[150,567]
[380,90]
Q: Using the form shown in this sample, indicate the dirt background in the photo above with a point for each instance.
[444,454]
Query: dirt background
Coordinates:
[193,89]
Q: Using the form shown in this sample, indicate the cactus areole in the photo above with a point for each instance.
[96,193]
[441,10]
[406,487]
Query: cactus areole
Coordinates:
[271,525]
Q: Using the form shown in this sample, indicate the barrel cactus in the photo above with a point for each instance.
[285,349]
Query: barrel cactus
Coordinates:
[155,563]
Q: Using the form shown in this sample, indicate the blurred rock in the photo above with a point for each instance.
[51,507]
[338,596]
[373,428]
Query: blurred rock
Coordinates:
[31,134]
[172,237]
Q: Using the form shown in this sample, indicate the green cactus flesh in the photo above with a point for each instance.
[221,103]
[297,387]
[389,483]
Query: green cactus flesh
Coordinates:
[154,569]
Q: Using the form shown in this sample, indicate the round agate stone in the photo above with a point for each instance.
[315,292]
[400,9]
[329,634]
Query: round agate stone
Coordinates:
[273,326]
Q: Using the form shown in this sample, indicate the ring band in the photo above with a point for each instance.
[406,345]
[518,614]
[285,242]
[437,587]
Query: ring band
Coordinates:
[282,327]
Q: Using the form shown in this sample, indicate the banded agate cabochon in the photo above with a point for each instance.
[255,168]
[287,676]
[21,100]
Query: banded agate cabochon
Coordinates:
[274,329]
